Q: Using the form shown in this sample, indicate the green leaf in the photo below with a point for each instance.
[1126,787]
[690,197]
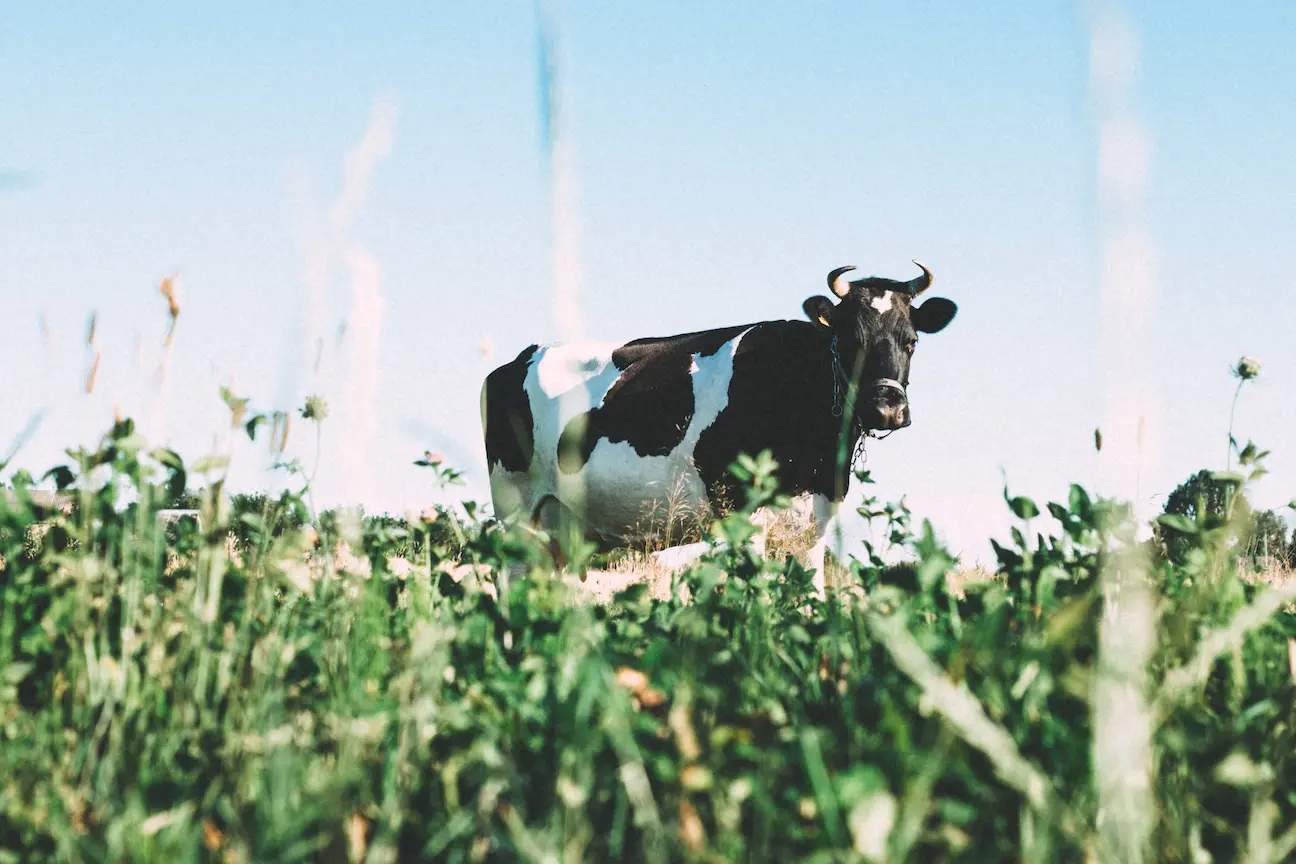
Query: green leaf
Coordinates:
[933,561]
[208,464]
[1177,522]
[1228,477]
[251,425]
[1067,623]
[122,429]
[1023,507]
[133,443]
[1079,502]
[797,633]
[63,476]
[230,400]
[237,406]
[169,458]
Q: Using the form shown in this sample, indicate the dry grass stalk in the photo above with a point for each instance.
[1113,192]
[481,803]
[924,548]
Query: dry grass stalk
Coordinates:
[1123,721]
[1179,682]
[965,715]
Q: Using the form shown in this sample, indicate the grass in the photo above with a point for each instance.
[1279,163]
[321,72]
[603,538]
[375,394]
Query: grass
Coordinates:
[283,685]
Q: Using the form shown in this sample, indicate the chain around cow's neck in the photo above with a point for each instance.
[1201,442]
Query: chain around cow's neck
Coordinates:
[840,384]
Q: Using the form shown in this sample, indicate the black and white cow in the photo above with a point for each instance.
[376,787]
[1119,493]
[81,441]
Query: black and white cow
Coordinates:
[626,435]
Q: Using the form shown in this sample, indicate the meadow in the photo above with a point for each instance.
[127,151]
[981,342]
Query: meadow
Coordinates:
[270,683]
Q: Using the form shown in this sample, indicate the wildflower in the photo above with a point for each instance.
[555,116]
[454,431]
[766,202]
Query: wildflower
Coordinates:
[316,408]
[631,679]
[1247,369]
[213,839]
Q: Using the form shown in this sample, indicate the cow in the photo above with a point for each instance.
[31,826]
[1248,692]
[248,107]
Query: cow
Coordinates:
[625,436]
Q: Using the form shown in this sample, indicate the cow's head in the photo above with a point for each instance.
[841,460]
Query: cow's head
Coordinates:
[876,325]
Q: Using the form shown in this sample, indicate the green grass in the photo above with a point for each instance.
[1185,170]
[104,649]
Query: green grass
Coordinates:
[164,699]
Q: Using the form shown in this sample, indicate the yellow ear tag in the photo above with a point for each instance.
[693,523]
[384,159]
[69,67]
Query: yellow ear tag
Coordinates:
[824,321]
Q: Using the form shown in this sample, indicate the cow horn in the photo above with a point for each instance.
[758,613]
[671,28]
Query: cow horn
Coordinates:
[919,284]
[835,276]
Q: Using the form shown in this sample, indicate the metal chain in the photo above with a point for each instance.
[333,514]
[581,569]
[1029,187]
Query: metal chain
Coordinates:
[839,376]
[839,381]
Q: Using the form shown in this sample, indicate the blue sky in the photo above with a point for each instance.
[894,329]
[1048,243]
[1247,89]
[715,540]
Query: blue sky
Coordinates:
[724,163]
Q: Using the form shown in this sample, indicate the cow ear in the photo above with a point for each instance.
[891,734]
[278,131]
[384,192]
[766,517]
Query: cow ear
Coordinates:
[932,316]
[819,309]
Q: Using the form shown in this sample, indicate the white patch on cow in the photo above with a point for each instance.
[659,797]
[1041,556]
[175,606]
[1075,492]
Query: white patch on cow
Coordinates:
[882,303]
[510,492]
[617,488]
[563,381]
[559,369]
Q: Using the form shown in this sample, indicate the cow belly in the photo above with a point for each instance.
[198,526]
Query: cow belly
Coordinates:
[623,495]
[631,496]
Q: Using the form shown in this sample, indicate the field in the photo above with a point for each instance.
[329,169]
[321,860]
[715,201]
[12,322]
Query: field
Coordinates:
[275,684]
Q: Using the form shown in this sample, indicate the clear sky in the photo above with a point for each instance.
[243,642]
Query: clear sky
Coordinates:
[724,161]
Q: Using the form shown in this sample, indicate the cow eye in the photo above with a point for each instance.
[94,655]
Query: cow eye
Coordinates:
[911,345]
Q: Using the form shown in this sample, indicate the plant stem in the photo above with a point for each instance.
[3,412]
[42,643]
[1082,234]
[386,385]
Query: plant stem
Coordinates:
[1228,463]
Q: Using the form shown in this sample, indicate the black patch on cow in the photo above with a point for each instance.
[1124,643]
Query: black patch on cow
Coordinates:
[703,342]
[510,439]
[651,405]
[780,399]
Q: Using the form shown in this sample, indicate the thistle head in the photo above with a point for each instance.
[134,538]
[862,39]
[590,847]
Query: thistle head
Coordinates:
[1246,369]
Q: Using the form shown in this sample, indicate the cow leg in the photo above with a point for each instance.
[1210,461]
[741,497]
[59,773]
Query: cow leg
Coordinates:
[763,518]
[554,518]
[825,509]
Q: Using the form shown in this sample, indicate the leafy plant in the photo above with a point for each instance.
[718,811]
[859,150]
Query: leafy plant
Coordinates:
[162,698]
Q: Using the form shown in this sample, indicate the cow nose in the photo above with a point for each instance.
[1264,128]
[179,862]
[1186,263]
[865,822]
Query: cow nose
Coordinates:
[889,391]
[890,406]
[891,415]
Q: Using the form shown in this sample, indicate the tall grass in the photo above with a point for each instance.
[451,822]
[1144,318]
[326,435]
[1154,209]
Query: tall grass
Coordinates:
[171,694]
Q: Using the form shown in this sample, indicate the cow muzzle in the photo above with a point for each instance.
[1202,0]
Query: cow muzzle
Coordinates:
[888,408]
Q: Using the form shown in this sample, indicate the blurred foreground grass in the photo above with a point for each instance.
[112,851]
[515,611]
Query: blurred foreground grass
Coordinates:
[237,688]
